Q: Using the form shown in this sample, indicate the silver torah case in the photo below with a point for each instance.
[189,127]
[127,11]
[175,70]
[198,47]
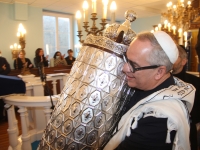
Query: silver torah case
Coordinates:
[93,96]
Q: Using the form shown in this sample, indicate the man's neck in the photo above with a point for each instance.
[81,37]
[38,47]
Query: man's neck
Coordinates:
[70,57]
[177,71]
[165,77]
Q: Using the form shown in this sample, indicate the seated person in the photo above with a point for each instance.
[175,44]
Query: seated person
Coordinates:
[70,59]
[39,57]
[180,72]
[4,66]
[4,70]
[58,60]
[21,61]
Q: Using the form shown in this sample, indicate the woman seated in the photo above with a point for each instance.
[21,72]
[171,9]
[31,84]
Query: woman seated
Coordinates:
[58,60]
[39,58]
[21,61]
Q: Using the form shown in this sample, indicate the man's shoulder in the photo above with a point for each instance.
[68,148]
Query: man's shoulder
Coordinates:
[67,57]
[2,58]
[192,79]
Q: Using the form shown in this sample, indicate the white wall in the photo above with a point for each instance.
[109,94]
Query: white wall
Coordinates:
[145,24]
[33,25]
[9,26]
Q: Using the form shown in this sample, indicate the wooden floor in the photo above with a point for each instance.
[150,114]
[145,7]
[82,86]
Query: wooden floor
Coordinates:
[4,141]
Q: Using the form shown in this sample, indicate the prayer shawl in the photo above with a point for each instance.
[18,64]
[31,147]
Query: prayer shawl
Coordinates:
[165,103]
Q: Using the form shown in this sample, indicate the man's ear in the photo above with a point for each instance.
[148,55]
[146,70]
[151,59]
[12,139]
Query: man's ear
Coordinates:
[184,61]
[161,71]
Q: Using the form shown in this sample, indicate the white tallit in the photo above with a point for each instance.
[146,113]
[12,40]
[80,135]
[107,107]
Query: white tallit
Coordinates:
[165,103]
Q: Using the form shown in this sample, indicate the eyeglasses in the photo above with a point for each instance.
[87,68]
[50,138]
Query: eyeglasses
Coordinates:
[132,67]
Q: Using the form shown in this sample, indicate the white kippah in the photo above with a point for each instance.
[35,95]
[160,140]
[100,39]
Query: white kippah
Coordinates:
[167,45]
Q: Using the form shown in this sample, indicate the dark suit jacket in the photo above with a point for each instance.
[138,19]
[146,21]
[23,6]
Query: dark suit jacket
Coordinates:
[11,85]
[69,61]
[3,61]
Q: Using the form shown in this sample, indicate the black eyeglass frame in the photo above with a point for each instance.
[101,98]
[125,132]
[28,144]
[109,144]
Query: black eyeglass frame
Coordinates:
[133,70]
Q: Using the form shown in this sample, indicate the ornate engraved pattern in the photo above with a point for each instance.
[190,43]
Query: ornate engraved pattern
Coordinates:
[83,116]
[111,31]
[85,113]
[106,43]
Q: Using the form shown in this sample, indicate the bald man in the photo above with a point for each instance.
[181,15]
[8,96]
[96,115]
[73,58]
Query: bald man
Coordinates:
[156,117]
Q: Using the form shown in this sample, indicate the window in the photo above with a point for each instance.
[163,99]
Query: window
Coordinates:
[57,32]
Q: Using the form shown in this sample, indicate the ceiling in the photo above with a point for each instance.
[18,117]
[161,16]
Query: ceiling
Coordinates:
[143,8]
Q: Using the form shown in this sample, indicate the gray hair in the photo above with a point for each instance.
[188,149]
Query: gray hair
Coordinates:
[182,52]
[157,55]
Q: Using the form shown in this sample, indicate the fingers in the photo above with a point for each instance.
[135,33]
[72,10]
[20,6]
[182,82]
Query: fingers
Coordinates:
[4,67]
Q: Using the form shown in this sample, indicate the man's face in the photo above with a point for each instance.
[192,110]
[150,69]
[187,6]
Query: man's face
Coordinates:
[70,54]
[138,53]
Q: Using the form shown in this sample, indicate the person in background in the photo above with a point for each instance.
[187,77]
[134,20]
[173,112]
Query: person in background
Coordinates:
[21,61]
[70,59]
[39,57]
[4,66]
[180,72]
[59,59]
[4,70]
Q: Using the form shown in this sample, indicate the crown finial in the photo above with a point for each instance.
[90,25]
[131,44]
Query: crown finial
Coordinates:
[130,15]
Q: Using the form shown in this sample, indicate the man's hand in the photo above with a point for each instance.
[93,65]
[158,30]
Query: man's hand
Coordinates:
[4,67]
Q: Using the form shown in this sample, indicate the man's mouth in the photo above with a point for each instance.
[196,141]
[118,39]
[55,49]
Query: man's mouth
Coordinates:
[129,78]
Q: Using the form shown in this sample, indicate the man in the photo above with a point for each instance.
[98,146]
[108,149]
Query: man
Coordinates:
[4,70]
[156,117]
[4,66]
[179,71]
[70,59]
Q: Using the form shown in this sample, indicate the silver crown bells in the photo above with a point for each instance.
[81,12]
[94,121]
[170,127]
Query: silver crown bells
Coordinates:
[90,104]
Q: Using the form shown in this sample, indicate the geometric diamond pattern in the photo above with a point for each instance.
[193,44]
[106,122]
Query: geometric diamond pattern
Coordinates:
[90,100]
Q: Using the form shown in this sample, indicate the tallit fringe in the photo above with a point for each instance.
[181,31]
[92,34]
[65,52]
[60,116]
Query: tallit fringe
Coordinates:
[135,124]
[151,112]
[168,140]
[175,147]
[171,126]
[155,113]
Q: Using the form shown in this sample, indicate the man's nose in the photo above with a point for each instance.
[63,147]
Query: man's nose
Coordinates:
[125,68]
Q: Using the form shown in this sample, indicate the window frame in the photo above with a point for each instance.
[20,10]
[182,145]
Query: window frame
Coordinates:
[57,15]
